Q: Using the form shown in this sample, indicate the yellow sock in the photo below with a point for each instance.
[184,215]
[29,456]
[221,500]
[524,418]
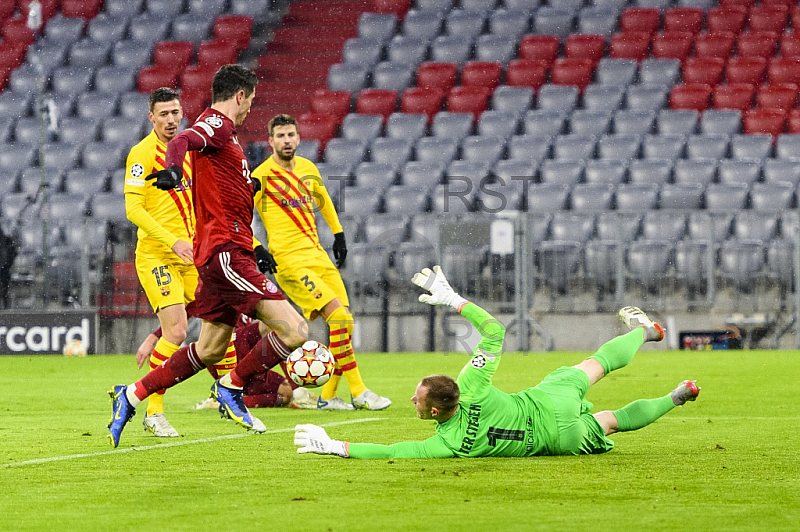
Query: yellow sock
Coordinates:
[161,352]
[228,362]
[340,323]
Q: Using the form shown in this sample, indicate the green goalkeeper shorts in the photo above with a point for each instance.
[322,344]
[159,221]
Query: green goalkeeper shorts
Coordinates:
[578,430]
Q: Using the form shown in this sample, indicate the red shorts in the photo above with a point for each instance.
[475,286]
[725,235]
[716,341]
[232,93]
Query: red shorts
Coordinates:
[230,284]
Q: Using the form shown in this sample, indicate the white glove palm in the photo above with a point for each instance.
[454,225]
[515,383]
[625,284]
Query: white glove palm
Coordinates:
[441,293]
[313,439]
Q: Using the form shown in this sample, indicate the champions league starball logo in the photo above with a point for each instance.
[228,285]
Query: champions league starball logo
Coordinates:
[478,361]
[137,170]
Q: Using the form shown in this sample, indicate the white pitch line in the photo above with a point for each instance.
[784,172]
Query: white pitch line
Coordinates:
[177,443]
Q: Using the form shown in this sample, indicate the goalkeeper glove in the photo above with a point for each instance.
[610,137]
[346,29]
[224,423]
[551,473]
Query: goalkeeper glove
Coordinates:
[264,260]
[314,439]
[441,293]
[166,179]
[339,249]
[256,186]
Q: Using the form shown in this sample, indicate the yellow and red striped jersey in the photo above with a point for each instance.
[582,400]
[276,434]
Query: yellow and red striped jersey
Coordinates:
[163,217]
[287,203]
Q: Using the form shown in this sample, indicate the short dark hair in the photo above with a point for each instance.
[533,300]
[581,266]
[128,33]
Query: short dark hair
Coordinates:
[229,80]
[162,94]
[443,392]
[281,120]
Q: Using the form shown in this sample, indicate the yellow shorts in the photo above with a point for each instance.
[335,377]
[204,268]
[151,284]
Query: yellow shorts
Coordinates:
[166,282]
[312,287]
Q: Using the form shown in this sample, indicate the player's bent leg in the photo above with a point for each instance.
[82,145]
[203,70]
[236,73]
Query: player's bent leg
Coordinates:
[213,342]
[592,368]
[607,421]
[281,317]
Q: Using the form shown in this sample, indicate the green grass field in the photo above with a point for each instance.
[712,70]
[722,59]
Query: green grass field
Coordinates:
[725,462]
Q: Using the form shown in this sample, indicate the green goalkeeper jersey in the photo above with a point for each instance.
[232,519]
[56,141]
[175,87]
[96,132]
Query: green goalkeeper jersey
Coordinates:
[489,422]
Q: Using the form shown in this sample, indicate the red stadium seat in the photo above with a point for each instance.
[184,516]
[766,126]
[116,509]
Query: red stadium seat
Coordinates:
[794,15]
[793,121]
[781,96]
[468,100]
[629,45]
[746,70]
[11,55]
[684,19]
[706,70]
[193,103]
[737,3]
[397,7]
[481,74]
[539,47]
[726,19]
[177,53]
[772,121]
[719,44]
[790,45]
[437,76]
[420,100]
[590,47]
[215,54]
[314,126]
[784,70]
[788,4]
[773,19]
[257,120]
[234,29]
[152,77]
[756,44]
[526,73]
[572,72]
[332,103]
[733,96]
[672,45]
[640,19]
[376,102]
[691,96]
[87,9]
[7,8]
[197,77]
[15,31]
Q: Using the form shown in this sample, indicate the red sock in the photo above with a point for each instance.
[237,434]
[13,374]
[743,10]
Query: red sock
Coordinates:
[180,366]
[286,373]
[266,354]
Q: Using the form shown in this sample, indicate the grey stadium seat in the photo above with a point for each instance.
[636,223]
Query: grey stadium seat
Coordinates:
[553,21]
[726,196]
[592,197]
[616,72]
[164,8]
[544,122]
[363,51]
[753,146]
[310,149]
[103,155]
[603,97]
[496,197]
[712,226]
[405,200]
[693,261]
[561,98]
[392,76]
[781,170]
[632,122]
[511,22]
[788,146]
[26,130]
[618,146]
[422,24]
[377,175]
[587,122]
[121,130]
[677,122]
[706,146]
[502,124]
[63,29]
[67,206]
[108,206]
[108,28]
[547,197]
[392,151]
[663,225]
[378,26]
[436,149]
[451,49]
[515,170]
[646,97]
[439,6]
[386,228]
[648,263]
[15,104]
[663,146]
[618,226]
[495,48]
[530,148]
[681,196]
[123,8]
[407,50]
[740,261]
[561,172]
[512,99]
[610,171]
[482,148]
[347,77]
[131,54]
[191,27]
[452,125]
[744,170]
[16,157]
[452,198]
[464,23]
[366,127]
[148,28]
[79,181]
[62,155]
[637,196]
[89,53]
[574,147]
[133,105]
[207,8]
[597,20]
[112,79]
[720,122]
[362,200]
[406,126]
[653,170]
[653,71]
[421,174]
[347,152]
[755,225]
[775,196]
[572,226]
[702,171]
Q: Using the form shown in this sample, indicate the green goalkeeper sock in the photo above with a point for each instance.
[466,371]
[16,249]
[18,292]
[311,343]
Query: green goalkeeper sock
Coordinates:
[618,352]
[641,413]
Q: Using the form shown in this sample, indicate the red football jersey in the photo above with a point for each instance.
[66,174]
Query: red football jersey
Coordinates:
[222,189]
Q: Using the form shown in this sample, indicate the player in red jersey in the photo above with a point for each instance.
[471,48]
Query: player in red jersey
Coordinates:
[230,282]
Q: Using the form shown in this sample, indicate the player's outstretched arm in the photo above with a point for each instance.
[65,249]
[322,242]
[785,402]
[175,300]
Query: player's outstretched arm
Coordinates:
[313,439]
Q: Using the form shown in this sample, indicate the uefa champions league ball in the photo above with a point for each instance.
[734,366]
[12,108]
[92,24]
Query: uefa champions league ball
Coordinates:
[310,365]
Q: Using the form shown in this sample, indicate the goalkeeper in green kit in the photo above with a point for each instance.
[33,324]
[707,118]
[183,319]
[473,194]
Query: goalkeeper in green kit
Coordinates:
[476,419]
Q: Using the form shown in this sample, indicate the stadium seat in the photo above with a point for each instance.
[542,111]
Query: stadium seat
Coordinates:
[730,19]
[177,53]
[405,200]
[681,196]
[790,45]
[694,96]
[481,74]
[775,197]
[591,47]
[526,73]
[317,127]
[468,100]
[740,261]
[233,29]
[677,122]
[726,196]
[737,96]
[777,96]
[651,170]
[671,45]
[381,24]
[214,54]
[697,170]
[406,126]
[739,171]
[629,45]
[598,19]
[610,171]
[564,172]
[684,19]
[388,75]
[756,44]
[197,77]
[376,102]
[512,22]
[422,174]
[647,97]
[572,226]
[452,125]
[777,170]
[363,51]
[408,50]
[588,122]
[659,71]
[511,170]
[498,123]
[345,76]
[632,196]
[544,122]
[475,170]
[422,100]
[607,98]
[391,151]
[152,77]
[574,147]
[377,175]
[721,121]
[512,99]
[366,127]
[529,149]
[557,98]
[547,197]
[772,121]
[451,49]
[539,48]
[619,72]
[705,70]
[437,76]
[103,155]
[793,121]
[553,21]
[588,197]
[767,19]
[640,19]
[752,146]
[717,45]
[436,150]
[423,24]
[345,152]
[577,72]
[495,48]
[619,147]
[784,70]
[664,225]
[464,22]
[332,103]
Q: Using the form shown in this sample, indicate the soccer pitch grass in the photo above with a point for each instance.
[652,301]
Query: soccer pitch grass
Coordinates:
[726,462]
